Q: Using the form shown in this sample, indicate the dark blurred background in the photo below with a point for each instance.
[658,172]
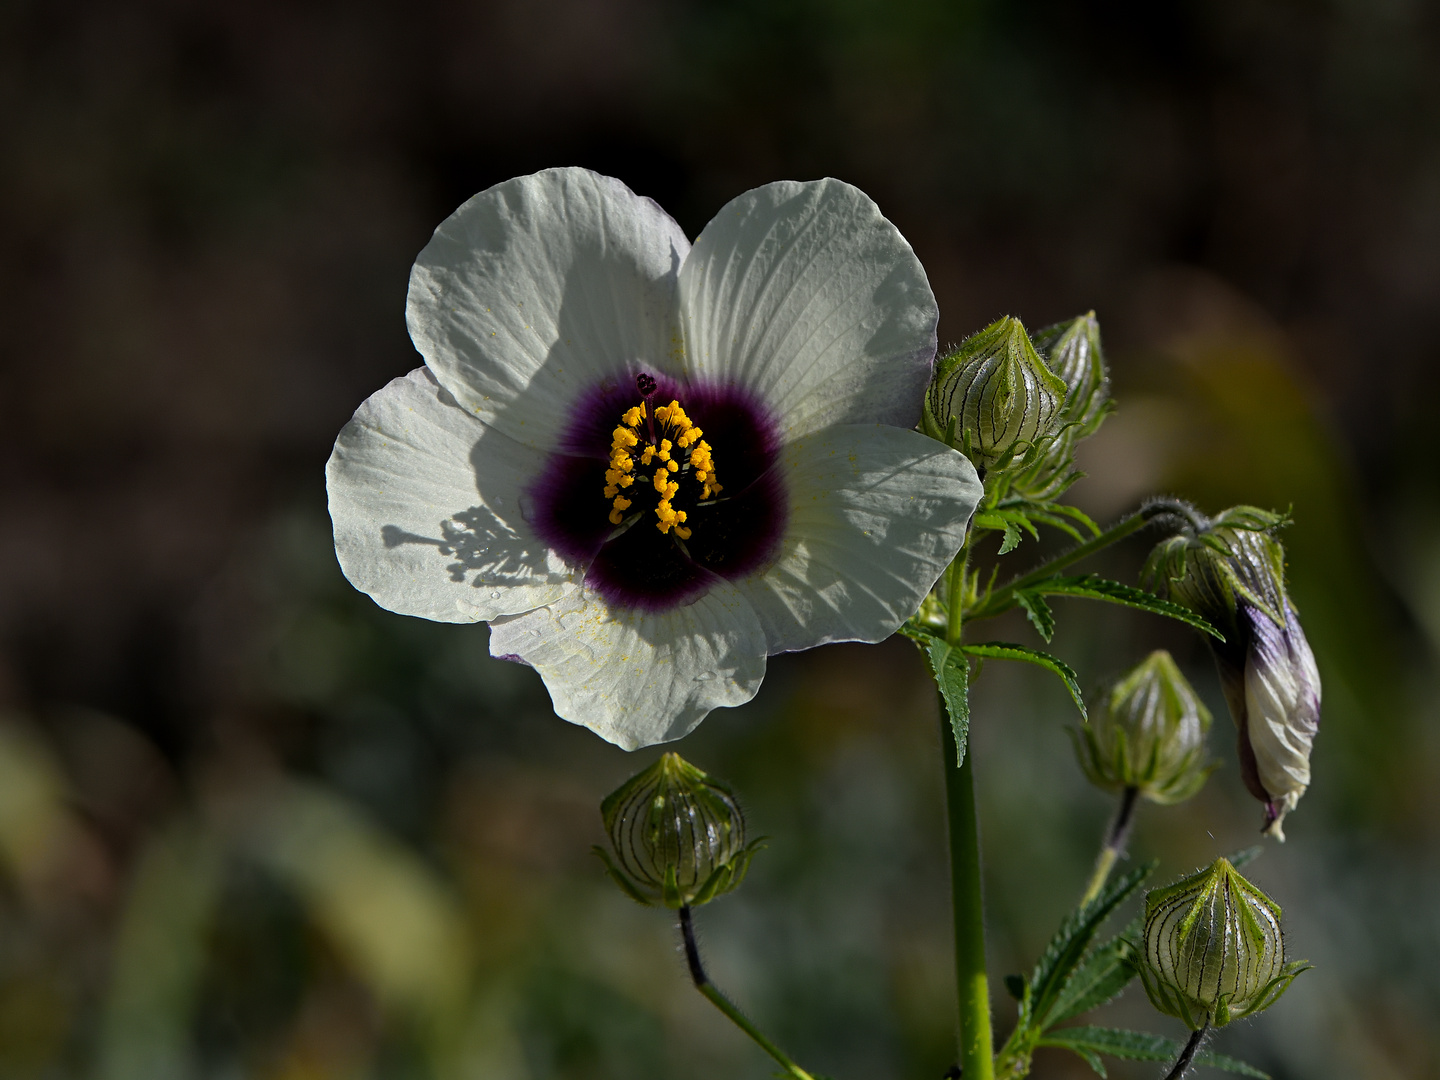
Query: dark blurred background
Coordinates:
[253,826]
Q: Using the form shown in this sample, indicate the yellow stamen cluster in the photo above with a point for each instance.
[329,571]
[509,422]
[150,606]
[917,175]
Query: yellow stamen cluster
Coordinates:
[670,420]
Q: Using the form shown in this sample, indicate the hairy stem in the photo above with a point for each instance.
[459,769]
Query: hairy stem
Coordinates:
[1115,841]
[1188,1054]
[972,983]
[976,1046]
[721,1002]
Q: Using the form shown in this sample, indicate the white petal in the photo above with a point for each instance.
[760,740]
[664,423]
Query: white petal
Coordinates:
[805,293]
[876,515]
[1282,700]
[425,503]
[539,288]
[633,678]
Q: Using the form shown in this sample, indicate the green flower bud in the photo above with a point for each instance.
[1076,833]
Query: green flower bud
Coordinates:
[678,836]
[994,399]
[1232,571]
[1072,351]
[1150,735]
[1213,951]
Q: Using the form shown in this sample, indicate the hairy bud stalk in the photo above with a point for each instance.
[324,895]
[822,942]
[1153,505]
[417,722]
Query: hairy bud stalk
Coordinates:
[1213,950]
[1150,735]
[994,399]
[1232,571]
[678,836]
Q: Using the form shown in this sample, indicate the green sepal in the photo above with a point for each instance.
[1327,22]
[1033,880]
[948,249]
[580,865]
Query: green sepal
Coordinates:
[1094,587]
[1004,650]
[1272,991]
[1038,612]
[952,676]
[730,875]
[1138,1046]
[618,876]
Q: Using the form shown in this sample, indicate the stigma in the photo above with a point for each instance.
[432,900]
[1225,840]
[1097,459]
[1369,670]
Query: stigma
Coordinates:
[659,448]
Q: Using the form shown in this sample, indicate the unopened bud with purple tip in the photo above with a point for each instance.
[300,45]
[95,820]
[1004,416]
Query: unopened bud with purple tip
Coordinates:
[1232,571]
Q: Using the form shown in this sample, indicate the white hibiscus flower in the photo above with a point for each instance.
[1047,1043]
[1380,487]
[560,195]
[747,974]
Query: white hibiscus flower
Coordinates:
[649,466]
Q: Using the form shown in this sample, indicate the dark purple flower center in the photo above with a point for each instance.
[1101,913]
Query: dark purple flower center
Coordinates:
[635,492]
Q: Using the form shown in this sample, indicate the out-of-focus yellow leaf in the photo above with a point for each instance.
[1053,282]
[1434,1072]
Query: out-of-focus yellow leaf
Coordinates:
[388,913]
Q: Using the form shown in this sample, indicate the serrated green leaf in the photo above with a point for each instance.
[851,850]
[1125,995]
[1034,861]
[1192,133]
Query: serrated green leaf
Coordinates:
[952,676]
[1071,942]
[1105,972]
[1094,587]
[1140,1046]
[1092,1059]
[1011,541]
[1038,612]
[1004,650]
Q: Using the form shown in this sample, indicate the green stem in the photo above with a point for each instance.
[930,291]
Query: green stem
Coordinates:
[1115,842]
[721,1002]
[1003,598]
[977,1047]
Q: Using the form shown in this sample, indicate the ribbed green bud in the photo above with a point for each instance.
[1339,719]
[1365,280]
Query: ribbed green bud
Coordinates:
[1150,735]
[1072,351]
[994,399]
[1213,951]
[678,836]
